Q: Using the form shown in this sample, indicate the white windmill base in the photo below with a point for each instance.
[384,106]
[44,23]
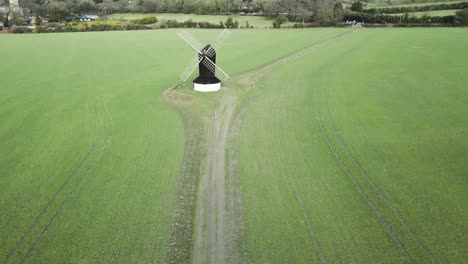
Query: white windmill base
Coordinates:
[212,87]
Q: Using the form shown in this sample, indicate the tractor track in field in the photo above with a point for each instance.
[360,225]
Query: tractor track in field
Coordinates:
[345,168]
[380,194]
[292,180]
[102,141]
[106,143]
[186,243]
[31,197]
[289,57]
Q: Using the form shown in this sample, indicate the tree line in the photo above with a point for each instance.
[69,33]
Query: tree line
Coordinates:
[296,10]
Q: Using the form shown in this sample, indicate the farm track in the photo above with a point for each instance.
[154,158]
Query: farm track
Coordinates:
[235,226]
[207,247]
[181,238]
[288,58]
[72,182]
[292,180]
[374,189]
[210,211]
[359,181]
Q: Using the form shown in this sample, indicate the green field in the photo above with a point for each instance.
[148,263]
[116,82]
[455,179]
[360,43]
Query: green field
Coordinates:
[406,3]
[255,21]
[364,146]
[326,145]
[435,13]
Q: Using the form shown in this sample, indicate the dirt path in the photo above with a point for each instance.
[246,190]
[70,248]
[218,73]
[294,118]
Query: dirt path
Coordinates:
[210,212]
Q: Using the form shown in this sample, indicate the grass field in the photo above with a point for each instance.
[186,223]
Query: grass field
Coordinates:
[450,12]
[357,152]
[352,150]
[255,21]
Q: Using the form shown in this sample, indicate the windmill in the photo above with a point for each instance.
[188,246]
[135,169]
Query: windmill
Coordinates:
[210,74]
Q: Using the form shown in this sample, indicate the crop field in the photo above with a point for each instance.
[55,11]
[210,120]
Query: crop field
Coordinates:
[325,145]
[255,21]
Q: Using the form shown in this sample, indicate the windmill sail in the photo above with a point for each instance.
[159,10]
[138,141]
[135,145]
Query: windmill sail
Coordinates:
[190,68]
[218,42]
[191,40]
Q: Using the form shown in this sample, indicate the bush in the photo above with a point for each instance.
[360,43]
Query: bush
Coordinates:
[40,29]
[19,30]
[134,26]
[189,24]
[145,20]
[1,28]
[38,21]
[231,23]
[279,20]
[209,25]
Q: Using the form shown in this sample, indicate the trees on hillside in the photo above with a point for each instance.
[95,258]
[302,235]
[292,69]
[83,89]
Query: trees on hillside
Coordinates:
[338,11]
[357,7]
[461,17]
[296,10]
[300,10]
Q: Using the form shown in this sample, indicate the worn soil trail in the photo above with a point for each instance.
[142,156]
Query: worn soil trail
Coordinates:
[212,243]
[209,245]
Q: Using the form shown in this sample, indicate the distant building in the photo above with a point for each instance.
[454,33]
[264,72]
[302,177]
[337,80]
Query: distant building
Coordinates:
[30,17]
[92,17]
[87,18]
